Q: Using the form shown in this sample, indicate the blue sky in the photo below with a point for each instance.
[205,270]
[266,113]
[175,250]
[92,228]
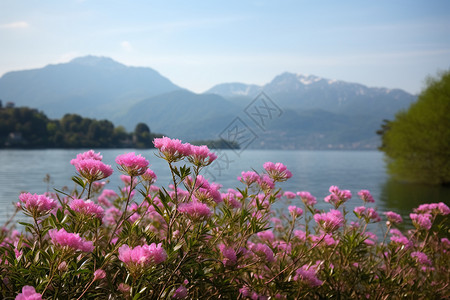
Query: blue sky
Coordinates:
[198,44]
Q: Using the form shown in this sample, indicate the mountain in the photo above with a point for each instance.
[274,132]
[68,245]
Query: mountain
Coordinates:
[91,86]
[183,114]
[300,92]
[293,112]
[320,113]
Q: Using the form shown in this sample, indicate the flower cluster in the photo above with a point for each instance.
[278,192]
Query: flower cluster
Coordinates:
[337,196]
[132,164]
[141,257]
[87,208]
[73,241]
[90,166]
[277,171]
[37,204]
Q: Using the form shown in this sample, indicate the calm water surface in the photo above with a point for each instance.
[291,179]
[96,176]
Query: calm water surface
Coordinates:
[313,171]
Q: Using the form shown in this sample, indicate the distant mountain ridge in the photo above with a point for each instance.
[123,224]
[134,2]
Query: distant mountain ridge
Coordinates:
[91,86]
[317,113]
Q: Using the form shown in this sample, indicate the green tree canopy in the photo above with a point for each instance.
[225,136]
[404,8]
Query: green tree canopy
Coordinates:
[417,141]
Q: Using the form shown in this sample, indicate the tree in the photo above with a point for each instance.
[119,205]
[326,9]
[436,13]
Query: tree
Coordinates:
[417,141]
[142,137]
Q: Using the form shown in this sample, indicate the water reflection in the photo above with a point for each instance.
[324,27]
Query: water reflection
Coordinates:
[403,197]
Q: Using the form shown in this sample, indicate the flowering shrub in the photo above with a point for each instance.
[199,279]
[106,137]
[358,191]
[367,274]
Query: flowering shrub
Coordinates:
[191,241]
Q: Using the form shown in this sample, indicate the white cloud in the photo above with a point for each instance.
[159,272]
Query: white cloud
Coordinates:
[14,25]
[126,46]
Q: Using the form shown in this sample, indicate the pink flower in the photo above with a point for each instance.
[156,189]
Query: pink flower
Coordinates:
[337,196]
[229,255]
[307,198]
[399,239]
[277,171]
[87,208]
[295,211]
[266,183]
[132,164]
[248,177]
[300,234]
[28,293]
[180,293]
[37,204]
[63,238]
[368,213]
[289,195]
[142,256]
[421,221]
[329,221]
[308,275]
[421,257]
[92,169]
[195,210]
[366,196]
[172,149]
[99,274]
[87,155]
[201,156]
[262,250]
[149,176]
[266,235]
[230,199]
[433,208]
[393,217]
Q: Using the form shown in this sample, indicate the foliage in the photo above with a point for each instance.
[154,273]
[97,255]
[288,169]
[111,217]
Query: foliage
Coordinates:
[24,127]
[416,142]
[190,241]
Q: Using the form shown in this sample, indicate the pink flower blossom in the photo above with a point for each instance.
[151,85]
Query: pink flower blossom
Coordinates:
[248,177]
[421,221]
[289,195]
[92,169]
[399,239]
[266,236]
[329,221]
[308,275]
[172,149]
[324,239]
[132,164]
[99,274]
[368,213]
[149,176]
[142,256]
[300,234]
[365,196]
[433,208]
[393,217]
[87,155]
[230,199]
[201,156]
[295,211]
[63,238]
[262,250]
[229,255]
[421,257]
[28,293]
[266,183]
[307,198]
[37,204]
[337,196]
[195,210]
[180,293]
[277,171]
[87,208]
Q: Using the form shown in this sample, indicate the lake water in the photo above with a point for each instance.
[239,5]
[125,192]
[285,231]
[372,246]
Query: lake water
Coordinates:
[313,171]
